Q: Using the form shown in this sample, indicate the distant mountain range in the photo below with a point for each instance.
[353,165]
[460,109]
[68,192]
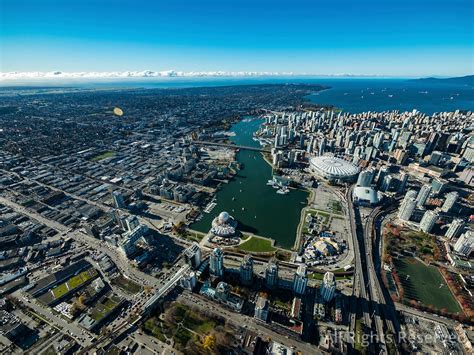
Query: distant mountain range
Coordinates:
[461,80]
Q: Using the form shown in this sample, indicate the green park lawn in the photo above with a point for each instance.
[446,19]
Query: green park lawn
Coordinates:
[80,279]
[256,244]
[104,155]
[73,283]
[60,290]
[102,309]
[186,323]
[193,235]
[425,284]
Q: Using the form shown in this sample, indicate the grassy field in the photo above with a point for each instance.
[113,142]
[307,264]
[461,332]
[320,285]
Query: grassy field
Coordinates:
[335,207]
[425,284]
[80,279]
[126,285]
[197,324]
[60,290]
[182,324]
[73,283]
[258,245]
[193,235]
[102,156]
[244,236]
[102,309]
[153,326]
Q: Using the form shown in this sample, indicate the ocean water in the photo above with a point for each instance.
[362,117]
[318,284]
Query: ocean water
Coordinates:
[359,95]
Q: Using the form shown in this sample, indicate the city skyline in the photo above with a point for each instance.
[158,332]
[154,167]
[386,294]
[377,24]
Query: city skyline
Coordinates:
[406,39]
[236,177]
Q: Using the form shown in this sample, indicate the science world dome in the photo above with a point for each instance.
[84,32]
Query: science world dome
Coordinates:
[224,225]
[333,168]
[223,217]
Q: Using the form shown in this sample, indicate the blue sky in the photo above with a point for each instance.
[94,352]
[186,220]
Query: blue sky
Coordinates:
[384,37]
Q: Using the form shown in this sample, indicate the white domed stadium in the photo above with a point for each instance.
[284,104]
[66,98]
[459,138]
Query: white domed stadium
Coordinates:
[333,168]
[366,196]
[224,225]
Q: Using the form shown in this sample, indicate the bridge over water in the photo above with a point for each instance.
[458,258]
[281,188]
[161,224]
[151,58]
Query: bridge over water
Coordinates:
[233,146]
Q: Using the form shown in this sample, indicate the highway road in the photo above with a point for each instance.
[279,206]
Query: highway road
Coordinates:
[366,287]
[359,285]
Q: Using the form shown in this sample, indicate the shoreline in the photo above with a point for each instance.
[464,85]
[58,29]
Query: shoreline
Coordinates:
[299,233]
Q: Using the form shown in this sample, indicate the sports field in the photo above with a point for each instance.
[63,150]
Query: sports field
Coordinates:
[425,284]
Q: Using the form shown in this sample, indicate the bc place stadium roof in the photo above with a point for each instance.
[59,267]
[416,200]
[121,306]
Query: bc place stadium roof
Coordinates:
[332,167]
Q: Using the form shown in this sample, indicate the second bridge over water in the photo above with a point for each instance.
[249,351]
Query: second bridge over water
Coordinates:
[234,146]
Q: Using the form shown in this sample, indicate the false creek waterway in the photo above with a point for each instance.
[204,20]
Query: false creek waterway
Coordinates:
[264,212]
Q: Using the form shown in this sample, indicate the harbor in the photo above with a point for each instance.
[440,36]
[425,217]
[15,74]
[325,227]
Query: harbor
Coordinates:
[261,204]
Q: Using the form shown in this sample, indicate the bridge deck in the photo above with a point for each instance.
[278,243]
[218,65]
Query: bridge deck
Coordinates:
[234,146]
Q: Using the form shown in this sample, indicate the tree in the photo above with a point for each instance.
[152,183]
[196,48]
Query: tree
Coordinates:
[148,289]
[209,343]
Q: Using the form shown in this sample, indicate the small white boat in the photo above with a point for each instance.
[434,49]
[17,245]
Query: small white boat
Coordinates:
[283,191]
[243,208]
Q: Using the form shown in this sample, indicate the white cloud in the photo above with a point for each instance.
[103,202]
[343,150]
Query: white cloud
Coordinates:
[12,76]
[130,74]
